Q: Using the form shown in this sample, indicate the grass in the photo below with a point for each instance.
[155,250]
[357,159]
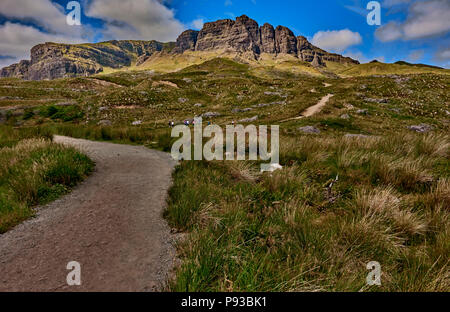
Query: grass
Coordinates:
[288,231]
[34,171]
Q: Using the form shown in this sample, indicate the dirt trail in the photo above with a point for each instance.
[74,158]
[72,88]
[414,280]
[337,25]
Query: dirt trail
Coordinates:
[312,110]
[111,224]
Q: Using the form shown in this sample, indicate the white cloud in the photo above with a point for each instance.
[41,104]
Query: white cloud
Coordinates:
[44,13]
[389,32]
[443,54]
[198,23]
[136,19]
[16,40]
[416,55]
[228,3]
[336,40]
[425,19]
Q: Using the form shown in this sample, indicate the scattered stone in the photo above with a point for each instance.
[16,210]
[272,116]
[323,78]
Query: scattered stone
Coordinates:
[396,110]
[104,123]
[273,167]
[182,100]
[359,136]
[345,116]
[198,105]
[309,129]
[272,93]
[422,128]
[10,98]
[136,123]
[379,101]
[349,106]
[103,108]
[241,110]
[211,114]
[362,111]
[251,119]
[187,80]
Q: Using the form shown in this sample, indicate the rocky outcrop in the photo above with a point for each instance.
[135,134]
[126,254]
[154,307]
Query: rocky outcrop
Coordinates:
[55,60]
[186,41]
[285,41]
[243,35]
[267,39]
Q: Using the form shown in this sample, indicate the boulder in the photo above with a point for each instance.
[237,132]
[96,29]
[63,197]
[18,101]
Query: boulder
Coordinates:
[422,128]
[309,129]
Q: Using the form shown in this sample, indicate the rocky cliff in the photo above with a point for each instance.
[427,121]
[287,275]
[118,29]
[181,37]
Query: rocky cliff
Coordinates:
[243,35]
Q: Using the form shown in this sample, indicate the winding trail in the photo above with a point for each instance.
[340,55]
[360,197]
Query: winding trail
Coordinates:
[312,110]
[111,224]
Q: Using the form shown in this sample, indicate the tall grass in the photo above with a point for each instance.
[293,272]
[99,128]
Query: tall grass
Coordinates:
[289,231]
[34,171]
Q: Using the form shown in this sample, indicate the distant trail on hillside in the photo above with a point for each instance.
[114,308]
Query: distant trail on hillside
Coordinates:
[312,110]
[111,224]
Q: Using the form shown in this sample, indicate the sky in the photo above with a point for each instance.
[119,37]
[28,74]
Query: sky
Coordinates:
[417,31]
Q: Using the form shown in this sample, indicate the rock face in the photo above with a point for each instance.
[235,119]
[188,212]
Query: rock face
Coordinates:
[15,70]
[285,41]
[244,35]
[186,41]
[268,39]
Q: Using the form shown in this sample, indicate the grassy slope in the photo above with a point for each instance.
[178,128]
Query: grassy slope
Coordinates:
[34,171]
[286,231]
[379,68]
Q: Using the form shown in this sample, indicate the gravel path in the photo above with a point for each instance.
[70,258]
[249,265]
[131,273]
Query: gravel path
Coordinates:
[312,110]
[111,224]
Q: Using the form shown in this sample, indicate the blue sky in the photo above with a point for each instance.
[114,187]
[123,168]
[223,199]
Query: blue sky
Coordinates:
[411,30]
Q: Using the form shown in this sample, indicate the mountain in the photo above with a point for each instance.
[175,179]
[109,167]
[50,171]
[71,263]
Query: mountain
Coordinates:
[243,36]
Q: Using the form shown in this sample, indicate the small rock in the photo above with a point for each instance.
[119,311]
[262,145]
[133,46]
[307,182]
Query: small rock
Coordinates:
[359,136]
[104,123]
[241,110]
[211,114]
[182,100]
[187,80]
[103,108]
[422,128]
[362,111]
[251,119]
[272,168]
[309,129]
[136,123]
[376,100]
[345,116]
[198,105]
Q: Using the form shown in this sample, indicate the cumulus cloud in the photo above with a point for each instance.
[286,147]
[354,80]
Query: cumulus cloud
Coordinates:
[16,41]
[198,23]
[336,40]
[425,19]
[442,56]
[17,38]
[136,19]
[41,21]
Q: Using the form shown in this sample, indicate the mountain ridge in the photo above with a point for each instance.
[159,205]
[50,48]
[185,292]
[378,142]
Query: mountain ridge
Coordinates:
[243,35]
